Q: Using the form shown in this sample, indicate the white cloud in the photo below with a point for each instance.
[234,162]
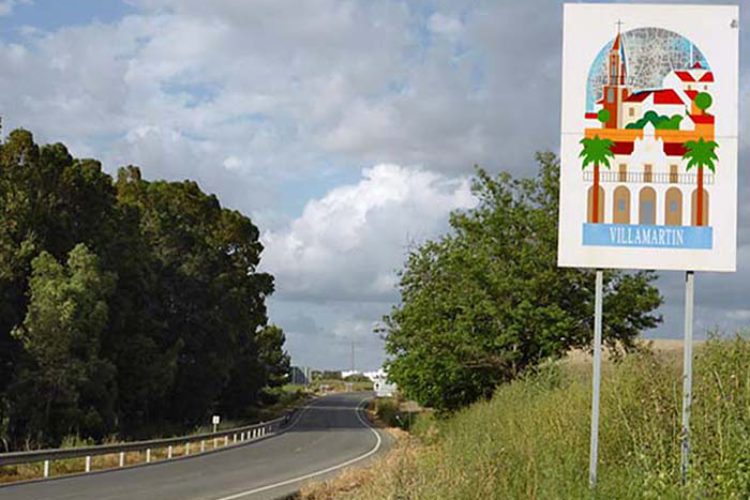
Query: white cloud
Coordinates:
[445,25]
[249,99]
[349,244]
[7,6]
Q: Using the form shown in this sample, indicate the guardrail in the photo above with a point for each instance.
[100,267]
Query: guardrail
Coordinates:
[234,436]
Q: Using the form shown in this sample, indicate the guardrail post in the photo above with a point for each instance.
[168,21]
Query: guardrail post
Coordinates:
[203,446]
[169,451]
[234,438]
[46,468]
[226,440]
[122,459]
[187,448]
[148,455]
[88,463]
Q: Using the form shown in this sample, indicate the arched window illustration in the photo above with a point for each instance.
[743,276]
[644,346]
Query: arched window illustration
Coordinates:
[590,204]
[647,207]
[621,205]
[694,208]
[673,207]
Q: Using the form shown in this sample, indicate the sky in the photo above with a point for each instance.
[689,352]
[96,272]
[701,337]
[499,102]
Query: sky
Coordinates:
[347,130]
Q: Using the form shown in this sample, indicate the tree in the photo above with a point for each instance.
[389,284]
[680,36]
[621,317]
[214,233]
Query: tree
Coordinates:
[487,302]
[68,387]
[597,151]
[703,101]
[700,153]
[182,317]
[273,357]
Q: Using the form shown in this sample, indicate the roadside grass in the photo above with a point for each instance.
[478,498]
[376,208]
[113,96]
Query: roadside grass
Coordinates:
[288,397]
[531,440]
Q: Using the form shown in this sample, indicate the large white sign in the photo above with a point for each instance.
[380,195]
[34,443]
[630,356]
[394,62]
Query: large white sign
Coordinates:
[649,137]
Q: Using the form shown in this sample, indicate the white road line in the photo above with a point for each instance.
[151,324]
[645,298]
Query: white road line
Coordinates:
[317,473]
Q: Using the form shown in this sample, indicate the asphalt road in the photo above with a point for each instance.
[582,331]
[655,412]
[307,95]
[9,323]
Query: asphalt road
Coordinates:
[327,435]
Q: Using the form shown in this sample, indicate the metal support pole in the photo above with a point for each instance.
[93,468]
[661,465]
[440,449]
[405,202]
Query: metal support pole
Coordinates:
[169,451]
[148,455]
[46,468]
[88,463]
[687,375]
[122,459]
[594,451]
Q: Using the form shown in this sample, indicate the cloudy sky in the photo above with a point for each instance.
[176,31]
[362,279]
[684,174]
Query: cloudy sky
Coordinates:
[345,129]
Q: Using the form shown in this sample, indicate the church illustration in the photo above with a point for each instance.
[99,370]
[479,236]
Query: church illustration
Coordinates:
[649,156]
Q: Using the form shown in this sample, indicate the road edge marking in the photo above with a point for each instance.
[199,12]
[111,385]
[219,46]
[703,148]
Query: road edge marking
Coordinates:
[378,443]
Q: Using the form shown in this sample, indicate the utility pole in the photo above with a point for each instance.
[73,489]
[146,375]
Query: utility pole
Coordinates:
[352,358]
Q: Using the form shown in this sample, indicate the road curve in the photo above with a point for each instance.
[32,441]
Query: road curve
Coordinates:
[327,435]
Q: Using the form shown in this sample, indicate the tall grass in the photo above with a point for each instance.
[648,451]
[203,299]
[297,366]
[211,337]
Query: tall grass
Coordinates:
[531,440]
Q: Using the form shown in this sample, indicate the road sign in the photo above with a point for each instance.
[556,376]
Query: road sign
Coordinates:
[649,137]
[216,419]
[648,153]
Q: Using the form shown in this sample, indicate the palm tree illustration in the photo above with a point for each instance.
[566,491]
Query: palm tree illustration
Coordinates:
[596,151]
[700,153]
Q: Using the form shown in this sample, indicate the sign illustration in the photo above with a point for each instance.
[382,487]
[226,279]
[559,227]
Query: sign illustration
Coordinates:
[649,138]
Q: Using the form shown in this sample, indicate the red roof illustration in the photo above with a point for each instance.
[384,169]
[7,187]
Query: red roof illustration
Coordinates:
[661,96]
[616,45]
[684,76]
[697,65]
[674,148]
[622,148]
[638,96]
[667,96]
[670,148]
[708,77]
[702,118]
[691,94]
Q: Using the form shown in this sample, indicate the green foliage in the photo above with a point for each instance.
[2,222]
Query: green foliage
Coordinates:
[596,151]
[603,115]
[67,386]
[703,100]
[387,410]
[660,122]
[156,319]
[326,375]
[532,439]
[701,153]
[487,302]
[356,377]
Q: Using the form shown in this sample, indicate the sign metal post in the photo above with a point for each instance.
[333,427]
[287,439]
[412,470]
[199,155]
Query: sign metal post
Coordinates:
[687,375]
[594,450]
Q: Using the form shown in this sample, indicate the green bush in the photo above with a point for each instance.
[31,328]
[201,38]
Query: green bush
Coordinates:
[532,439]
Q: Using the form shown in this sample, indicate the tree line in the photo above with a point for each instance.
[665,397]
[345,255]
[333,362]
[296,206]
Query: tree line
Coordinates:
[124,304]
[486,302]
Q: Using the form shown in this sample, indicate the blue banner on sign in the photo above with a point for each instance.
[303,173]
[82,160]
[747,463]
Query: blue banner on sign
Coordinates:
[627,235]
